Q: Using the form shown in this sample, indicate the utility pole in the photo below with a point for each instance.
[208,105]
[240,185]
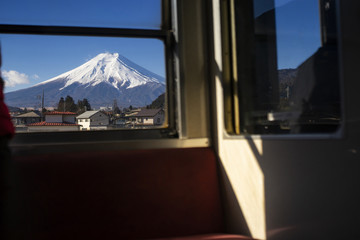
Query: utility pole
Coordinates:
[42,107]
[42,102]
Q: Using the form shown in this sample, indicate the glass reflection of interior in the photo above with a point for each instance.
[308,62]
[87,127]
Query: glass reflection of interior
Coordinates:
[290,72]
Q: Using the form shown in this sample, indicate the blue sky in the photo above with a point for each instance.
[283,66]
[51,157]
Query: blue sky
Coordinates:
[104,13]
[30,59]
[297,29]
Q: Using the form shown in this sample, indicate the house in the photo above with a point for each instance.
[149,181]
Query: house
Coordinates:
[93,120]
[26,118]
[55,121]
[20,120]
[130,116]
[106,109]
[121,122]
[150,117]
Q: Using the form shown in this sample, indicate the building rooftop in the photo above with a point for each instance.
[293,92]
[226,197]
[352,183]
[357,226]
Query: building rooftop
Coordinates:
[27,115]
[52,124]
[87,114]
[147,112]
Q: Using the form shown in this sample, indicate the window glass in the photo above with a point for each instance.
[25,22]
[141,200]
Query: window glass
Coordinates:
[287,66]
[84,13]
[64,78]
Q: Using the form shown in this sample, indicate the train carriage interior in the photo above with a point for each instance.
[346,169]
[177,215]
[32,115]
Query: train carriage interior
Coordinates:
[257,136]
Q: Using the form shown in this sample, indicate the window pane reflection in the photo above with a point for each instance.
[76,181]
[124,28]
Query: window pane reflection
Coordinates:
[289,80]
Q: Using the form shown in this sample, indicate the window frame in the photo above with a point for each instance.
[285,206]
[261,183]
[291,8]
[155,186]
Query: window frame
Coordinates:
[233,101]
[165,34]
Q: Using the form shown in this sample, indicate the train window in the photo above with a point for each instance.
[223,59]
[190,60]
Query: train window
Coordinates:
[87,76]
[81,66]
[284,74]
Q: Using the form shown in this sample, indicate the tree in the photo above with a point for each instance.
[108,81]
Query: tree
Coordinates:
[70,105]
[80,107]
[116,109]
[61,105]
[86,104]
[83,106]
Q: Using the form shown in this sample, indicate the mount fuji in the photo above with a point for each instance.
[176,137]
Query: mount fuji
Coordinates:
[103,79]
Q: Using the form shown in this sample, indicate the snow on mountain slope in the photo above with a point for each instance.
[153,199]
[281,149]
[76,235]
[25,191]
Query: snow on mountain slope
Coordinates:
[113,69]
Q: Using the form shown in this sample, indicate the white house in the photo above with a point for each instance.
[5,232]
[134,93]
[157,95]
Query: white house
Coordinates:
[55,121]
[93,120]
[150,117]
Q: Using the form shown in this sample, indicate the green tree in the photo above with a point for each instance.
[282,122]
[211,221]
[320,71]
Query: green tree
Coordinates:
[159,102]
[70,105]
[83,106]
[61,105]
[80,107]
[86,104]
[116,109]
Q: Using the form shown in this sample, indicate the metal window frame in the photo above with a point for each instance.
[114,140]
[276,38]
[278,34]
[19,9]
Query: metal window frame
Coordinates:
[233,76]
[165,34]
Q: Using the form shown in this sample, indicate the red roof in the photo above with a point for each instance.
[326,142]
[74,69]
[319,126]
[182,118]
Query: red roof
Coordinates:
[52,124]
[59,113]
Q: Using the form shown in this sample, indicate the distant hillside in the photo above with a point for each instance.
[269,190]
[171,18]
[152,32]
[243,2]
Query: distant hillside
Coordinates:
[287,75]
[13,109]
[159,102]
[287,79]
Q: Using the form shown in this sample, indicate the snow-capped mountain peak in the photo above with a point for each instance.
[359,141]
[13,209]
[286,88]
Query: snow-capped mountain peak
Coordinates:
[101,80]
[110,68]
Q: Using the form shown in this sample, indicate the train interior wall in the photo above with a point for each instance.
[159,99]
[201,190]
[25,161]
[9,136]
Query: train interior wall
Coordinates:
[272,188]
[296,187]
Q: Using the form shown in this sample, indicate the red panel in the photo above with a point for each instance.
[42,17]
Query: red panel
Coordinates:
[60,113]
[122,195]
[210,237]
